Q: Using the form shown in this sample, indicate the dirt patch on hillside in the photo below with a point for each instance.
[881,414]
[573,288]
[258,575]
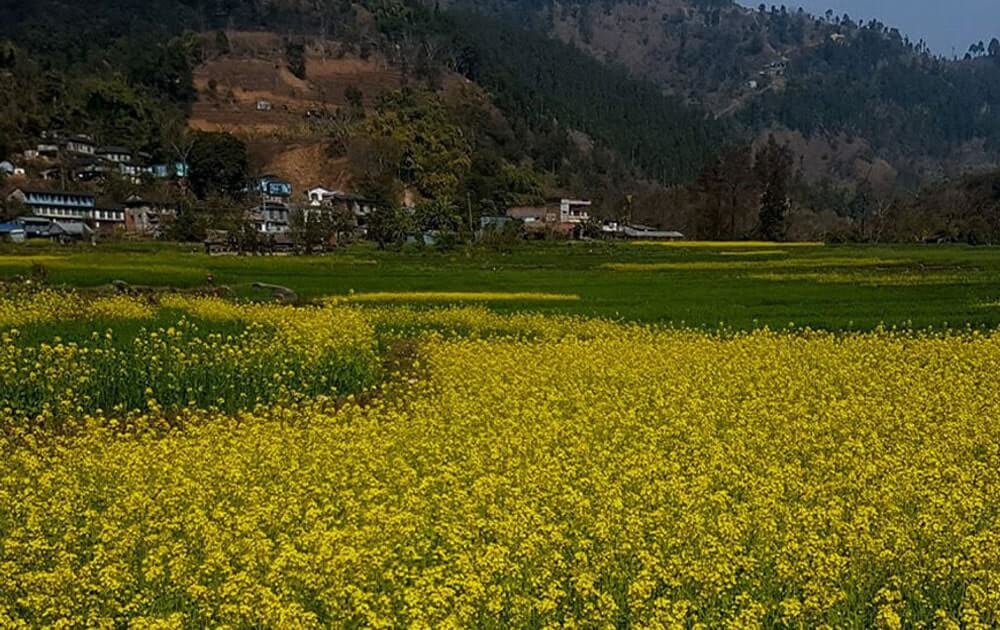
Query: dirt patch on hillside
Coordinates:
[251,93]
[254,96]
[332,78]
[305,165]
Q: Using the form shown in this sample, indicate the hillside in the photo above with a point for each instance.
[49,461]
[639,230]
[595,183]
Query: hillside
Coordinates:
[579,124]
[483,103]
[290,136]
[784,71]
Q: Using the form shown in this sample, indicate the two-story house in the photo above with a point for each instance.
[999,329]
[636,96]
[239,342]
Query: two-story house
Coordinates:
[574,211]
[68,207]
[56,205]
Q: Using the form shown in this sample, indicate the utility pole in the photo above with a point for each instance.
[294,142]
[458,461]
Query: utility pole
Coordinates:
[62,164]
[468,202]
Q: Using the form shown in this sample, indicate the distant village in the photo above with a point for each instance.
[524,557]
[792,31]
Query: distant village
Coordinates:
[55,212]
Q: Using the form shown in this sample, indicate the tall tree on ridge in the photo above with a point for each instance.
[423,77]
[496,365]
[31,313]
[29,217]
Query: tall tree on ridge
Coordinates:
[774,170]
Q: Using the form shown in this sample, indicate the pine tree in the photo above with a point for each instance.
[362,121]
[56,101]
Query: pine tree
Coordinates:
[774,169]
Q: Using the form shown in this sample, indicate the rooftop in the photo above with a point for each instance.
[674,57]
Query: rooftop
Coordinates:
[68,193]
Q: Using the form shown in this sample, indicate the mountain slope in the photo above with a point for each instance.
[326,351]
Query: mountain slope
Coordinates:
[777,69]
[543,87]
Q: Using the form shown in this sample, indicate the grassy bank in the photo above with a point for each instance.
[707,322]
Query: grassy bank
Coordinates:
[740,285]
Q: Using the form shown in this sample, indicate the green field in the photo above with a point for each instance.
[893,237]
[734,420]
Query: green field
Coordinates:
[741,286]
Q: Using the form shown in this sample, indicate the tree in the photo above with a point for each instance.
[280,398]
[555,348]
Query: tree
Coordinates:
[314,227]
[436,156]
[187,227]
[111,108]
[994,49]
[739,186]
[295,53]
[773,168]
[389,225]
[222,42]
[219,165]
[218,213]
[374,162]
[727,185]
[709,186]
[11,208]
[355,97]
[437,215]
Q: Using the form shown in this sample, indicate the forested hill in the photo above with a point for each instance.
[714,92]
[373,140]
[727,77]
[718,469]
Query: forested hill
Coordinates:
[645,88]
[123,69]
[829,77]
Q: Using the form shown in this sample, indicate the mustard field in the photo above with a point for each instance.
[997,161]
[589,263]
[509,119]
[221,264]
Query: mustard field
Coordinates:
[176,461]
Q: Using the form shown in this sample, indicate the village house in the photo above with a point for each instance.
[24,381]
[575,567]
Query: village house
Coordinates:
[119,155]
[69,232]
[270,218]
[555,211]
[574,211]
[13,232]
[533,214]
[273,189]
[319,195]
[44,150]
[34,227]
[79,158]
[272,214]
[107,219]
[56,205]
[562,216]
[23,228]
[81,145]
[68,207]
[171,170]
[359,207]
[145,217]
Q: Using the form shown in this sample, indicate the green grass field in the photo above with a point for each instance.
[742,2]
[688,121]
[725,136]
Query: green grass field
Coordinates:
[737,285]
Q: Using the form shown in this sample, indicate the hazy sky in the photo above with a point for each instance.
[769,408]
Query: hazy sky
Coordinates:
[943,24]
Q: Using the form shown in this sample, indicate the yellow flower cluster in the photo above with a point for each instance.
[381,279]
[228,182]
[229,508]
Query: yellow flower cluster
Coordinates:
[749,265]
[480,321]
[882,277]
[452,296]
[20,309]
[629,476]
[119,307]
[266,354]
[315,331]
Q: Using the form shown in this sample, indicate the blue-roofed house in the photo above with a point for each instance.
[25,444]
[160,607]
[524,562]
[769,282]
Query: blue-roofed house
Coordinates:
[56,204]
[274,189]
[13,232]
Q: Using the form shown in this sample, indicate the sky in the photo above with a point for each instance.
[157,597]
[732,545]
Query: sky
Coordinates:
[946,26]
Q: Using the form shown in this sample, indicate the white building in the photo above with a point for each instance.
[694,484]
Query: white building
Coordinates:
[319,195]
[270,218]
[574,211]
